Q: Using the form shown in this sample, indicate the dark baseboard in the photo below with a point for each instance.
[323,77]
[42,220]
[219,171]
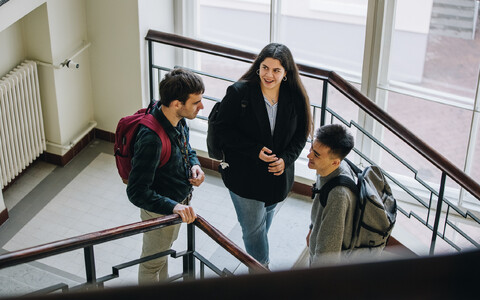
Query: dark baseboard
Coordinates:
[104,135]
[3,216]
[60,160]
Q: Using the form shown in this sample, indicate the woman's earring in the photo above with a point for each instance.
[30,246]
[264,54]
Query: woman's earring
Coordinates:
[284,78]
[258,71]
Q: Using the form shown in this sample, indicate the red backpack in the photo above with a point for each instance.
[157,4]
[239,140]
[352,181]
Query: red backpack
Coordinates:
[125,134]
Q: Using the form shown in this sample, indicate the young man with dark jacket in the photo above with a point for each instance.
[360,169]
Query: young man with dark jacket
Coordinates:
[166,190]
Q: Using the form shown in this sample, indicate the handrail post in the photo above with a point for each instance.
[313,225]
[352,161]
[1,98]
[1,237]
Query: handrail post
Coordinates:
[150,69]
[189,259]
[90,265]
[438,212]
[324,103]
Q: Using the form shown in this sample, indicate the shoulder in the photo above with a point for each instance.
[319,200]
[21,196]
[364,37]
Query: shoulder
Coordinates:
[147,136]
[242,87]
[340,199]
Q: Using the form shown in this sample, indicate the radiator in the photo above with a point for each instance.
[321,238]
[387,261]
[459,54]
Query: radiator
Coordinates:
[22,136]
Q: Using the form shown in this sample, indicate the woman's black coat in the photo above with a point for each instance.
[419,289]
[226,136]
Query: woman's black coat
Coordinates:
[244,129]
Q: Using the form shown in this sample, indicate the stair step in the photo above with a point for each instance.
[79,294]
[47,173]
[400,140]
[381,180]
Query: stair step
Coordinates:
[452,22]
[454,11]
[452,32]
[27,278]
[454,3]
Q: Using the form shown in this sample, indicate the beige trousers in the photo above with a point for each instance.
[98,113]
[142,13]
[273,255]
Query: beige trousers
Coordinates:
[155,241]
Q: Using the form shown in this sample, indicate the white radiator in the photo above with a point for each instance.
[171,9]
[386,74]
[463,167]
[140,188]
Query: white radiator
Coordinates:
[22,136]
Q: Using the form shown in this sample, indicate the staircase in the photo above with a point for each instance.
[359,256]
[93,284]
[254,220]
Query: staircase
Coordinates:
[454,18]
[31,277]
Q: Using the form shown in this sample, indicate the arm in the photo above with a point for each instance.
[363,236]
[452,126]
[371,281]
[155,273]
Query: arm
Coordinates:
[145,161]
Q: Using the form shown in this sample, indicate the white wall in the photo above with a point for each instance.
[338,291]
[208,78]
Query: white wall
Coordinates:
[51,31]
[115,65]
[112,80]
[119,55]
[157,15]
[11,47]
[14,10]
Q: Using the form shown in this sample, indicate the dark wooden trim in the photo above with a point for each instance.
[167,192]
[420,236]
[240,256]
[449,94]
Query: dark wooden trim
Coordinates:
[302,189]
[346,89]
[105,135]
[3,216]
[37,252]
[67,157]
[85,240]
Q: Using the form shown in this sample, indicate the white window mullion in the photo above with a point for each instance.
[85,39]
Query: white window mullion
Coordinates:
[473,136]
[186,24]
[371,70]
[275,12]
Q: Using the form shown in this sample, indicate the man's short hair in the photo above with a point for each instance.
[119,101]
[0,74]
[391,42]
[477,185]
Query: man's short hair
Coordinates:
[178,84]
[337,138]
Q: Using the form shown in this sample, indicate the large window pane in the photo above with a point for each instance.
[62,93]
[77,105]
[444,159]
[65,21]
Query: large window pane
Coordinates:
[240,23]
[436,49]
[326,33]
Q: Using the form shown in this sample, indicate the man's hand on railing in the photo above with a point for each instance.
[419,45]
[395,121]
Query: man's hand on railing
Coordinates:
[185,212]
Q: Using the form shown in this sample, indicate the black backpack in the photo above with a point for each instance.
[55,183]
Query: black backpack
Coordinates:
[376,209]
[214,145]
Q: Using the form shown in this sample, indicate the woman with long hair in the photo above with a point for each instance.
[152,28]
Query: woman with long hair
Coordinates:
[264,121]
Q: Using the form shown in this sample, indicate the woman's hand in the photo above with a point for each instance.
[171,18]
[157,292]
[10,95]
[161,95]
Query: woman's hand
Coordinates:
[266,155]
[198,176]
[277,167]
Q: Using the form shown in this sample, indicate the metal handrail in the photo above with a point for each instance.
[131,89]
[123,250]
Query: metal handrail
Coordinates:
[347,89]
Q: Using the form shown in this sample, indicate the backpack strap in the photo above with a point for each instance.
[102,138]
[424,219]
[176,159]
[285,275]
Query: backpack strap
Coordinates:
[354,167]
[336,181]
[151,122]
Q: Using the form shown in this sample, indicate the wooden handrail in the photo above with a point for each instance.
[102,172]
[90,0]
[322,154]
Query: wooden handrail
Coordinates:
[82,241]
[228,245]
[90,239]
[347,89]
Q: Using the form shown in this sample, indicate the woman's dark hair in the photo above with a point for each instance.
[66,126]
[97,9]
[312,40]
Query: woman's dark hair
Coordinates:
[293,82]
[178,84]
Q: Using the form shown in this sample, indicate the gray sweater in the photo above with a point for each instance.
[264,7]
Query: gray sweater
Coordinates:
[332,224]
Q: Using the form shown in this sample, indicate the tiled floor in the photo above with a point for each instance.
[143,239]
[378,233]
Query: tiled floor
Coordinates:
[50,203]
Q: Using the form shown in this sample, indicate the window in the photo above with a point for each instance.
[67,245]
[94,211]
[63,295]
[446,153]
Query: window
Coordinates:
[427,68]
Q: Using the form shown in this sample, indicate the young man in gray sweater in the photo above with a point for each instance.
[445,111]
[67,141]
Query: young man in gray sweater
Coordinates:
[331,225]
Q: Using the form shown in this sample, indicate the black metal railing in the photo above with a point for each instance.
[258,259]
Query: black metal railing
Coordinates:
[87,242]
[444,209]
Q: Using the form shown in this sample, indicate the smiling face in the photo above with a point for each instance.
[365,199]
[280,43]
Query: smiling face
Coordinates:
[271,73]
[321,160]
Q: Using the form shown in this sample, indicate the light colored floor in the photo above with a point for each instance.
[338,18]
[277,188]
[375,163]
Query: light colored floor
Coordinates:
[48,203]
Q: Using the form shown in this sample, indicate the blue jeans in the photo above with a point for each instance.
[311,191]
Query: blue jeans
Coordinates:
[255,220]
